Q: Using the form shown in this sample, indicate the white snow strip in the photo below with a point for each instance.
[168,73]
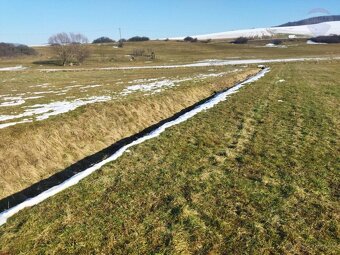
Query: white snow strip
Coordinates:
[313,43]
[12,101]
[45,92]
[272,45]
[13,123]
[80,176]
[13,68]
[40,85]
[90,86]
[33,97]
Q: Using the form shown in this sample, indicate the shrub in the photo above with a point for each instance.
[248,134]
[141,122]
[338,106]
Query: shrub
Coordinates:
[139,39]
[147,53]
[240,40]
[138,52]
[103,39]
[12,50]
[277,42]
[70,47]
[121,43]
[326,39]
[190,39]
[206,41]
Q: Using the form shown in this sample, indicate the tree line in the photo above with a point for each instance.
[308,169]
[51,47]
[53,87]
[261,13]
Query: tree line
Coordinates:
[12,50]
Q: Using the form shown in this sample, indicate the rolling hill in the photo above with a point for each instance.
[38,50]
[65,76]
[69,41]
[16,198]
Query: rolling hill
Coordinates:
[312,21]
[319,29]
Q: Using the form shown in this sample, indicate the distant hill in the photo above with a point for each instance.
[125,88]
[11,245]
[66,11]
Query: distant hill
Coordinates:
[312,21]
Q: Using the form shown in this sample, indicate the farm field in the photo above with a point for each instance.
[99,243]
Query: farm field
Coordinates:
[50,120]
[257,173]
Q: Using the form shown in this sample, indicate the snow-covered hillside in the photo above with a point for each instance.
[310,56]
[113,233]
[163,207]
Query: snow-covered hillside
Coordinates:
[326,28]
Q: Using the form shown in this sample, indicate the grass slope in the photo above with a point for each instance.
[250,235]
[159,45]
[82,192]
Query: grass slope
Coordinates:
[257,174]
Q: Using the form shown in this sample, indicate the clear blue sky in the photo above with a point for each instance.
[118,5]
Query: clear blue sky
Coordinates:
[33,21]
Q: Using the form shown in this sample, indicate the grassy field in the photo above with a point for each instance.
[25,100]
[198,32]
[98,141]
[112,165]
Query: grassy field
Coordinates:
[173,52]
[257,174]
[42,148]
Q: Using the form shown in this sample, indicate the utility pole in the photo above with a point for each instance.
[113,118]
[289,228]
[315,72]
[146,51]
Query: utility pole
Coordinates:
[120,43]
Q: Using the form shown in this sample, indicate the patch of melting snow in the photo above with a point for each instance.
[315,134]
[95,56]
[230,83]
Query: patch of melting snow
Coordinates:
[313,43]
[80,176]
[33,97]
[158,85]
[272,45]
[12,101]
[90,86]
[13,123]
[45,92]
[40,85]
[13,68]
[150,86]
[44,111]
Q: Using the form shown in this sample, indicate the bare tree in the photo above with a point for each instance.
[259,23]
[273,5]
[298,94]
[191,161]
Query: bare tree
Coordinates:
[70,47]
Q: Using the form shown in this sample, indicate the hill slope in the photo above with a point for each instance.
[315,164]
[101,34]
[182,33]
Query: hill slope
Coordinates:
[312,21]
[326,28]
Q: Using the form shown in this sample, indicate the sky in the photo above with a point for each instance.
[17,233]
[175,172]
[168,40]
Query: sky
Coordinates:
[32,22]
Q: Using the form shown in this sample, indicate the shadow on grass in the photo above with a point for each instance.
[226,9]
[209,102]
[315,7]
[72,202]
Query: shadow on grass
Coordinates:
[48,63]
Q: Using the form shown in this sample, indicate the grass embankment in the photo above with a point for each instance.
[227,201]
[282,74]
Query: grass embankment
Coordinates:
[59,86]
[257,174]
[34,151]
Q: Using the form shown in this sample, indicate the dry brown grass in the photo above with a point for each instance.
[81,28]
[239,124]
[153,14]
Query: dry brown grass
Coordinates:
[34,152]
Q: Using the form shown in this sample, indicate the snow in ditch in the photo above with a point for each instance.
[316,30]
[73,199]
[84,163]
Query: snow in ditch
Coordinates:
[80,176]
[13,68]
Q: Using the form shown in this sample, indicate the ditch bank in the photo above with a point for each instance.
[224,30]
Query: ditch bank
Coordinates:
[70,176]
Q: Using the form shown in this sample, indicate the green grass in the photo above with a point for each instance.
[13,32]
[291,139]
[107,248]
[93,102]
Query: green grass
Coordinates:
[257,174]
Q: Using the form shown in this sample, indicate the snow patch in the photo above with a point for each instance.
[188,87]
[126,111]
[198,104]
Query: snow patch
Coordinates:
[313,43]
[13,68]
[12,101]
[44,111]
